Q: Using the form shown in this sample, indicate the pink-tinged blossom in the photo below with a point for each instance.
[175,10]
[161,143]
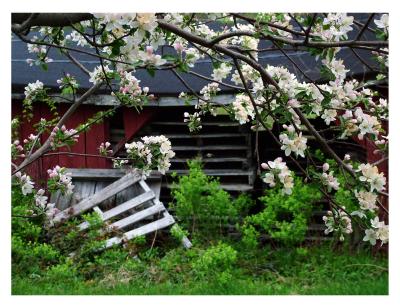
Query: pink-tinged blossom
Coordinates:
[278,172]
[370,174]
[25,182]
[330,181]
[339,222]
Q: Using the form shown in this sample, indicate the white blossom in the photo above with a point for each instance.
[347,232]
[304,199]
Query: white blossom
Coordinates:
[221,72]
[243,108]
[383,22]
[97,75]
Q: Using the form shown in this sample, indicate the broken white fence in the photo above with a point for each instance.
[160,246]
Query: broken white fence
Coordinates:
[142,205]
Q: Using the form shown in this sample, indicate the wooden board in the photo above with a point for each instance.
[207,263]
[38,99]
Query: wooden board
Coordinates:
[98,197]
[130,203]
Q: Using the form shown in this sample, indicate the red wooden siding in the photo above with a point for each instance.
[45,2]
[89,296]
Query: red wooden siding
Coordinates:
[88,142]
[134,121]
[97,134]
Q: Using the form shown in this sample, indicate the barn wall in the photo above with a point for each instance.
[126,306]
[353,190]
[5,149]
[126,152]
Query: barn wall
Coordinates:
[88,142]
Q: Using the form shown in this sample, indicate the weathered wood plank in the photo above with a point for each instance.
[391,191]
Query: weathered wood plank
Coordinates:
[228,187]
[209,147]
[218,172]
[206,123]
[98,197]
[211,160]
[210,135]
[102,174]
[147,196]
[166,221]
[108,203]
[157,208]
[155,186]
[186,243]
[128,205]
[98,211]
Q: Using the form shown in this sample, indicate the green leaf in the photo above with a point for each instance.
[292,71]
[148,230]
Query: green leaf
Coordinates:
[151,71]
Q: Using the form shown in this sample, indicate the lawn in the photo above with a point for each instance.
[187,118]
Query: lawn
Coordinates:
[301,271]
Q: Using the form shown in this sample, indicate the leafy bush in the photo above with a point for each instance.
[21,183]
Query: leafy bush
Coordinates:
[202,206]
[284,218]
[217,261]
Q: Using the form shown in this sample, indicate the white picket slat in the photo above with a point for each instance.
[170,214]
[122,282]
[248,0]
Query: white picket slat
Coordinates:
[166,221]
[98,197]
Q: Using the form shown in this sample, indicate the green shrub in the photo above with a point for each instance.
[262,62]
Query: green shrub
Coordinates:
[31,257]
[62,272]
[284,218]
[202,206]
[216,262]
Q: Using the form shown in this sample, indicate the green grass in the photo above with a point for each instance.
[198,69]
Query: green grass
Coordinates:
[317,271]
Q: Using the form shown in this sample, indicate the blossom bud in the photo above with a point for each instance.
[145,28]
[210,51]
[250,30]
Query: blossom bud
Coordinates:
[347,157]
[149,50]
[325,167]
[146,89]
[178,47]
[264,166]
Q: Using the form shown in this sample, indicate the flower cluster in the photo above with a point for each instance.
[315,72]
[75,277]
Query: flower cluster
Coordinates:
[193,120]
[370,175]
[25,182]
[17,150]
[367,200]
[76,37]
[150,153]
[247,42]
[292,141]
[335,27]
[379,231]
[40,51]
[221,72]
[278,19]
[68,84]
[367,124]
[60,180]
[150,58]
[337,68]
[243,108]
[338,221]
[98,76]
[41,202]
[104,149]
[278,172]
[63,136]
[328,179]
[33,89]
[210,90]
[383,23]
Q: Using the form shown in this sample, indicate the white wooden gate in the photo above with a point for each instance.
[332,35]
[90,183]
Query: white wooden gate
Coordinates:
[144,208]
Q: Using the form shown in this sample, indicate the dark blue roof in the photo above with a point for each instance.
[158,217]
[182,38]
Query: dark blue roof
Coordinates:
[164,82]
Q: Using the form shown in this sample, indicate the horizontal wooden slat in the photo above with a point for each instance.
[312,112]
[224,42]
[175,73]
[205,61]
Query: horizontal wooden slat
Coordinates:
[157,208]
[205,136]
[166,221]
[210,147]
[228,187]
[217,172]
[98,197]
[104,174]
[205,123]
[130,204]
[211,159]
